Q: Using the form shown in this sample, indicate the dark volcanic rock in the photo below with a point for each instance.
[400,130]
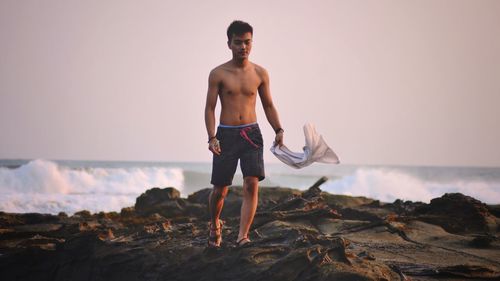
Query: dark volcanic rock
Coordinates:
[295,236]
[357,214]
[200,196]
[458,213]
[483,240]
[153,198]
[304,258]
[494,210]
[83,214]
[401,207]
[166,202]
[338,201]
[27,218]
[127,212]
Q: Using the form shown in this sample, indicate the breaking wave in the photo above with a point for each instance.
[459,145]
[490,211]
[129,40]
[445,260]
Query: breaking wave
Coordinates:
[388,185]
[46,187]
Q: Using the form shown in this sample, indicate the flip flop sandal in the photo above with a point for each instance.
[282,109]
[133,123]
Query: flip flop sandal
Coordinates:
[215,235]
[243,242]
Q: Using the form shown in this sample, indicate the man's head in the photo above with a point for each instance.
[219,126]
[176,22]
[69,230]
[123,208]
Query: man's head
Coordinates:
[238,27]
[239,38]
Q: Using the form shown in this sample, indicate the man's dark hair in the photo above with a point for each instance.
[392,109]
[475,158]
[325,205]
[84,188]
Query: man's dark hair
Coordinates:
[238,27]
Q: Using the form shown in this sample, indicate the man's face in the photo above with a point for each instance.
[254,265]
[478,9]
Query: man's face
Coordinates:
[241,45]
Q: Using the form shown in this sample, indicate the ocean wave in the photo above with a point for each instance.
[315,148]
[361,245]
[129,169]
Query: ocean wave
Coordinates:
[388,185]
[46,187]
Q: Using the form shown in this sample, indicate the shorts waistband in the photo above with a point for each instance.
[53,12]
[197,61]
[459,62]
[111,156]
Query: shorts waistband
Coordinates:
[238,126]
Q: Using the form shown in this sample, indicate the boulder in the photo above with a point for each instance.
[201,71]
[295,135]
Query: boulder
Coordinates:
[458,213]
[156,194]
[200,196]
[167,203]
[127,212]
[401,207]
[84,214]
[159,200]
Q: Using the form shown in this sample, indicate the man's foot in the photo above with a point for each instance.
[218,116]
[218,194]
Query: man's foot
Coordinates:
[215,234]
[242,242]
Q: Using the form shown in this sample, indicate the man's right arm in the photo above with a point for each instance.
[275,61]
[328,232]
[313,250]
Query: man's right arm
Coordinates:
[212,93]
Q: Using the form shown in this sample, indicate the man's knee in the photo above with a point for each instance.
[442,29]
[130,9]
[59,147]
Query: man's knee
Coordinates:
[251,185]
[220,191]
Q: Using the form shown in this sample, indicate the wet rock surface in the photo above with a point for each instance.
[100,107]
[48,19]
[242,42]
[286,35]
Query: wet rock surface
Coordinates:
[309,235]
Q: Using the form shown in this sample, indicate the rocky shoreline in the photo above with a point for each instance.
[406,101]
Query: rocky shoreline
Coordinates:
[297,235]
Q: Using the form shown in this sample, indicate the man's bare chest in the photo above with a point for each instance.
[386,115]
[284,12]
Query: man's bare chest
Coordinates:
[240,85]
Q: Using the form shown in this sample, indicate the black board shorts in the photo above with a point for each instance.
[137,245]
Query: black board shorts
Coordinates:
[243,143]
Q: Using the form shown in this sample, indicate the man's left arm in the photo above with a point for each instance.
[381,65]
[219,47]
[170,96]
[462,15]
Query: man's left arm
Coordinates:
[269,108]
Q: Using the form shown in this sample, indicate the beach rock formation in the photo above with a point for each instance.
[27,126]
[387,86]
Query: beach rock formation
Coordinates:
[296,235]
[458,213]
[167,203]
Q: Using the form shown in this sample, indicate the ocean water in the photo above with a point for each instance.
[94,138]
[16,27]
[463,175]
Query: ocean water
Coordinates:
[49,186]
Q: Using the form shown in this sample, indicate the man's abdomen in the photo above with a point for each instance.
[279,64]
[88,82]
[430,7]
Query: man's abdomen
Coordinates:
[238,112]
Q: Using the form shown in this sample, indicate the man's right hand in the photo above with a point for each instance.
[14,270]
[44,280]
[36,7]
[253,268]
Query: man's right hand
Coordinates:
[214,146]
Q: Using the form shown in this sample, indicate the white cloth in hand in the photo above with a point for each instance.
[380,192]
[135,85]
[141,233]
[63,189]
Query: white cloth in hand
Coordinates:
[315,150]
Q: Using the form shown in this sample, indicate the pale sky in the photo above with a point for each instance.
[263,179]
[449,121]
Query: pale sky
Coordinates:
[385,82]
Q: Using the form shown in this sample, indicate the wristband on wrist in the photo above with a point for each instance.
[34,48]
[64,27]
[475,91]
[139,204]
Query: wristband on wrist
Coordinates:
[278,130]
[211,138]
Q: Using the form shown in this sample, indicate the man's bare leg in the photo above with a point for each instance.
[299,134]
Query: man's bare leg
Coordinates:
[215,204]
[249,205]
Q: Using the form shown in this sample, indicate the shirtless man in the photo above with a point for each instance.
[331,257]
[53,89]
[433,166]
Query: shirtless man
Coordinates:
[238,137]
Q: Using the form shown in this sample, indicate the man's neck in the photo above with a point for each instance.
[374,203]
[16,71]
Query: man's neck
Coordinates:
[240,63]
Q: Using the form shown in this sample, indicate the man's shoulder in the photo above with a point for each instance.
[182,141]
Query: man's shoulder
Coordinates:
[214,75]
[218,72]
[260,70]
[220,68]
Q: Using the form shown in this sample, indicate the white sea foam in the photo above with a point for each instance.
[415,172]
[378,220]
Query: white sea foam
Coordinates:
[388,185]
[44,186]
[47,187]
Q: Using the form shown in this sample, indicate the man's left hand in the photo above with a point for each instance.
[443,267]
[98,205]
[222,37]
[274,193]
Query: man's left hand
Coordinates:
[278,140]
